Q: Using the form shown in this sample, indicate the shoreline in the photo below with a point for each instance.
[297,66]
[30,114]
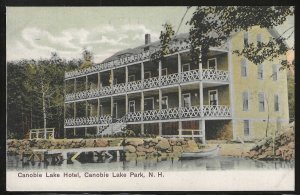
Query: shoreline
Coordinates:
[139,146]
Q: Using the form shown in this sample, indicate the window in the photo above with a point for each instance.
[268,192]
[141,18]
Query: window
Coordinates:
[212,63]
[213,97]
[132,106]
[164,102]
[147,75]
[245,101]
[260,71]
[261,102]
[186,100]
[246,39]
[164,71]
[244,68]
[259,40]
[274,72]
[246,128]
[276,102]
[131,78]
[185,67]
[149,103]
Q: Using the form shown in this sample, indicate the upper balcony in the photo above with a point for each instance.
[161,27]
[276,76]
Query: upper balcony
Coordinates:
[209,75]
[175,47]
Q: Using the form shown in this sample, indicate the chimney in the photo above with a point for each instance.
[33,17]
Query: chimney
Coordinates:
[147,39]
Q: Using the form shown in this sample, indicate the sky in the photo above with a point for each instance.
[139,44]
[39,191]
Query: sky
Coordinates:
[36,32]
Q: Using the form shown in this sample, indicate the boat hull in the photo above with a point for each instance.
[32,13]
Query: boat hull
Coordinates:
[203,154]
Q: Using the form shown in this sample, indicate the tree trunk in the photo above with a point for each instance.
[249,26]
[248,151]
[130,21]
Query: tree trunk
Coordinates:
[44,112]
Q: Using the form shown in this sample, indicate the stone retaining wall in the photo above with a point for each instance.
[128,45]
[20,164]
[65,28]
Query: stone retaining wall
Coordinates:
[133,146]
[281,147]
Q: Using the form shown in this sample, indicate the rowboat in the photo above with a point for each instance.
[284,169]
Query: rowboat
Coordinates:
[202,154]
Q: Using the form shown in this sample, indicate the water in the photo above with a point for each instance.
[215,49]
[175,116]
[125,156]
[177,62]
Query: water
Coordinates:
[86,163]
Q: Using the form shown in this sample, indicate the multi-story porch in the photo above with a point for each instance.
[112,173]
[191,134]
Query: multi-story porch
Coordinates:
[151,95]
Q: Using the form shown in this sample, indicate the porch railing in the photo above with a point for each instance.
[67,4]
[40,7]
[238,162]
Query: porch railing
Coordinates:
[135,58]
[92,120]
[171,79]
[206,111]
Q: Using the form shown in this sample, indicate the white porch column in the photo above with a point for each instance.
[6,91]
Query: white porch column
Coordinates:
[201,96]
[179,94]
[142,111]
[202,128]
[98,107]
[159,96]
[231,90]
[159,72]
[86,104]
[200,68]
[112,111]
[64,110]
[111,77]
[99,80]
[142,96]
[126,75]
[126,95]
[111,105]
[160,107]
[98,112]
[142,72]
[75,90]
[126,103]
[179,108]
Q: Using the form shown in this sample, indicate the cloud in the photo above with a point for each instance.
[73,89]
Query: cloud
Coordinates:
[103,41]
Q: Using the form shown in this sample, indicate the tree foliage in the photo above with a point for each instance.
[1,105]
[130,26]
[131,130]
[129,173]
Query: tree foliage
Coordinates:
[165,39]
[25,79]
[212,25]
[291,94]
[87,58]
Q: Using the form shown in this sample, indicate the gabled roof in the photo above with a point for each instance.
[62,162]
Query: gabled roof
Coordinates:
[154,45]
[141,48]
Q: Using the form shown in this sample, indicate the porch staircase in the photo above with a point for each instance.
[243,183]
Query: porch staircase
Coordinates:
[113,128]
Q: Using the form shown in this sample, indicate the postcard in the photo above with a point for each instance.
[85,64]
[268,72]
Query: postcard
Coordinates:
[197,98]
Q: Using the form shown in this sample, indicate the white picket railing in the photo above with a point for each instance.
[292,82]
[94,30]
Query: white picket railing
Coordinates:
[92,120]
[134,86]
[215,75]
[216,110]
[205,111]
[151,115]
[134,116]
[151,83]
[171,113]
[171,79]
[189,76]
[135,58]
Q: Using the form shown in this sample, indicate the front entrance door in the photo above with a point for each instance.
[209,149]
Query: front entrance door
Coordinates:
[213,97]
[148,104]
